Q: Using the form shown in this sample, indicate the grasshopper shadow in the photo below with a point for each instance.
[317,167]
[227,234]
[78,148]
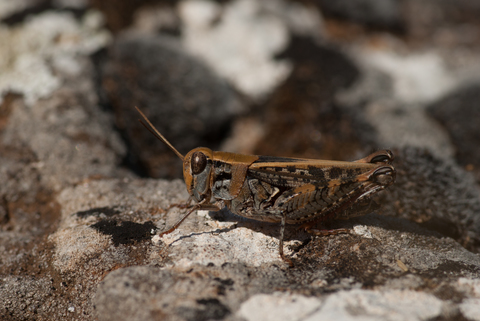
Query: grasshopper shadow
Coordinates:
[295,232]
[292,232]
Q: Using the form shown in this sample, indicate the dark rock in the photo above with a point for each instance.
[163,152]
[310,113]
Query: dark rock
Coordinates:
[436,193]
[448,22]
[17,13]
[459,114]
[119,15]
[302,118]
[384,14]
[181,97]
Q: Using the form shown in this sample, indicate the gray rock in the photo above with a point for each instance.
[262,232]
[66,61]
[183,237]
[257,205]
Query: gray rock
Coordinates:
[203,272]
[439,23]
[26,296]
[52,135]
[79,233]
[373,13]
[51,46]
[201,275]
[261,29]
[10,9]
[436,193]
[392,93]
[459,114]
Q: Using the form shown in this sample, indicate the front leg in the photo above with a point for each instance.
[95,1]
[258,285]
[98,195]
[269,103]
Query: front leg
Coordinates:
[200,206]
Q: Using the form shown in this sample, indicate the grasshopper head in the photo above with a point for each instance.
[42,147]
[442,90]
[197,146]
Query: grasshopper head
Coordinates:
[197,164]
[197,167]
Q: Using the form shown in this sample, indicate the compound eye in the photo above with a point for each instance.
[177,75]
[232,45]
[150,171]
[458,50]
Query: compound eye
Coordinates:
[199,162]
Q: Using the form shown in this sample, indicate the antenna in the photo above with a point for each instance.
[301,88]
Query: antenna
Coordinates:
[157,134]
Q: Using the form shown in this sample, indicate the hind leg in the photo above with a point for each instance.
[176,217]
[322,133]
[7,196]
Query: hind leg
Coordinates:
[280,243]
[323,232]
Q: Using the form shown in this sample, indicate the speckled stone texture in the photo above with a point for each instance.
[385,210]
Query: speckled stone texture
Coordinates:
[85,190]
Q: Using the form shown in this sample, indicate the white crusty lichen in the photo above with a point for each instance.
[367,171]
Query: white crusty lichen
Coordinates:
[30,51]
[241,46]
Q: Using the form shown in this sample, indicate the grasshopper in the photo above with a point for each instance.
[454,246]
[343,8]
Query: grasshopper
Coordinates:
[280,189]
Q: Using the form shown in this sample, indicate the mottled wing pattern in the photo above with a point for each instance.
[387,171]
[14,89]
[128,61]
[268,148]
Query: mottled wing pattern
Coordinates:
[310,202]
[294,172]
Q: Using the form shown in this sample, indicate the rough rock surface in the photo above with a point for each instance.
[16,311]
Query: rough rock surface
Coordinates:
[79,224]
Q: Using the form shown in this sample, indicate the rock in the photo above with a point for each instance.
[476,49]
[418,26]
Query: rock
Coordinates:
[52,135]
[118,15]
[414,79]
[47,45]
[178,93]
[27,296]
[216,279]
[373,13]
[393,92]
[447,23]
[459,114]
[206,253]
[11,10]
[68,135]
[247,62]
[302,118]
[344,305]
[80,231]
[436,193]
[400,259]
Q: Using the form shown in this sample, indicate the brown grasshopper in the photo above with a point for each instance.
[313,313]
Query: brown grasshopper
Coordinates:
[280,189]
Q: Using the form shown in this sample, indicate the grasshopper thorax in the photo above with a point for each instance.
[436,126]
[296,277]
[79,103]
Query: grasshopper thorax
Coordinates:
[197,167]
